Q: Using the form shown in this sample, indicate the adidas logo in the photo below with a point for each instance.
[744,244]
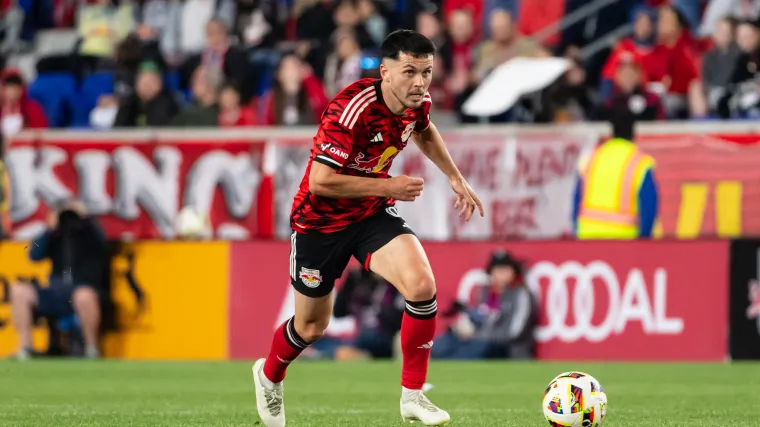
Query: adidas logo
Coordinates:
[377,138]
[427,346]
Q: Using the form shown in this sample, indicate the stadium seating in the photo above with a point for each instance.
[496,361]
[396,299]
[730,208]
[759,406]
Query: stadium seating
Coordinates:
[54,92]
[92,88]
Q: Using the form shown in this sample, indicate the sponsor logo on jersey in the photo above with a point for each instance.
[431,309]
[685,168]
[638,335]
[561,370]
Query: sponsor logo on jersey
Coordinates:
[328,148]
[310,278]
[375,164]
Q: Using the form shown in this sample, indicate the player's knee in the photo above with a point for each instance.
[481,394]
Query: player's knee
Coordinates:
[419,285]
[311,331]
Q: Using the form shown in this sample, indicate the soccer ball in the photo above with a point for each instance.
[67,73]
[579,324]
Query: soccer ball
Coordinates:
[575,399]
[191,224]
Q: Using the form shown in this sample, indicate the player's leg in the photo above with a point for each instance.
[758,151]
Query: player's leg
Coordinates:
[392,250]
[316,261]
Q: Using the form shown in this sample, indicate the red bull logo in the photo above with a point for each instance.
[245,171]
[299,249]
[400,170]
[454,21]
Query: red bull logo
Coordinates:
[310,278]
[375,164]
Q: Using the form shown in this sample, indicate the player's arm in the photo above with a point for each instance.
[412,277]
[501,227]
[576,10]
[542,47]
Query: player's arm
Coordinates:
[324,181]
[430,142]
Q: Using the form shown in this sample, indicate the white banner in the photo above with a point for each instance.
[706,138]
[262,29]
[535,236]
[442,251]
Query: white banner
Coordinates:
[525,182]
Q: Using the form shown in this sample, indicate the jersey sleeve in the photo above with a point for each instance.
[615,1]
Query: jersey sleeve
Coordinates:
[335,137]
[423,122]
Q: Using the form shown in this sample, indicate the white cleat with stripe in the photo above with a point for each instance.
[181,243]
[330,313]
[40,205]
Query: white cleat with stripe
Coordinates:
[269,398]
[416,407]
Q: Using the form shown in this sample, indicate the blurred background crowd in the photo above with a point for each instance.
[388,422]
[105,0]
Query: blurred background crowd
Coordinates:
[119,63]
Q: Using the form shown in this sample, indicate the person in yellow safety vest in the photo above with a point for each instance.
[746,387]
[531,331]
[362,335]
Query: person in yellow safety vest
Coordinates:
[616,194]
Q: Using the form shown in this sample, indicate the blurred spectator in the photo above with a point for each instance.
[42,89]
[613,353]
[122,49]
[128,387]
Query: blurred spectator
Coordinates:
[12,24]
[377,308]
[344,65]
[76,246]
[567,99]
[505,43]
[500,323]
[196,14]
[719,62]
[473,8]
[346,16]
[222,60]
[158,27]
[461,76]
[671,67]
[314,19]
[103,116]
[374,21]
[429,26]
[297,96]
[128,57]
[629,92]
[718,9]
[634,48]
[231,112]
[203,110]
[102,25]
[6,227]
[17,110]
[151,104]
[744,98]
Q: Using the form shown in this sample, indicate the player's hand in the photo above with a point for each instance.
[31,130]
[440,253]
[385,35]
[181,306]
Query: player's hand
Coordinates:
[405,188]
[467,200]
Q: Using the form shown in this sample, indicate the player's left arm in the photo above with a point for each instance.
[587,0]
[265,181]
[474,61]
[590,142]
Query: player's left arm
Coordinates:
[430,142]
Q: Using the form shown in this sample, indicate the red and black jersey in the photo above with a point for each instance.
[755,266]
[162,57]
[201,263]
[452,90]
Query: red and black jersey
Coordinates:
[359,136]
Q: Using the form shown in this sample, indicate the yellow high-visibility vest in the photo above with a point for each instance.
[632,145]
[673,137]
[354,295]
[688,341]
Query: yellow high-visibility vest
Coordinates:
[611,181]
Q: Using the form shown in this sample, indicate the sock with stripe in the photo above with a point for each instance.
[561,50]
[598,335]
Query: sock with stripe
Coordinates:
[286,346]
[417,333]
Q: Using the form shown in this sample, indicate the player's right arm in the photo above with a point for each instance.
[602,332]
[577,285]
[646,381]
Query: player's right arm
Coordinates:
[337,132]
[326,182]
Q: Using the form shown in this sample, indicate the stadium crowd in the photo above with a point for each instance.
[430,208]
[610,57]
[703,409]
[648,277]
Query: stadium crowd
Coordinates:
[277,62]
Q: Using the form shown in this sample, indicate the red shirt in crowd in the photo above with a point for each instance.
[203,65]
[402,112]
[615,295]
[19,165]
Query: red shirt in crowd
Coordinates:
[675,66]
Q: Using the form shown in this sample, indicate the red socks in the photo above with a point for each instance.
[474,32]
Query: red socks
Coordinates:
[417,333]
[286,346]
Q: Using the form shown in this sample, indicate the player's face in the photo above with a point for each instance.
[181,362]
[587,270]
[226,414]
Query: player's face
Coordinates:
[409,78]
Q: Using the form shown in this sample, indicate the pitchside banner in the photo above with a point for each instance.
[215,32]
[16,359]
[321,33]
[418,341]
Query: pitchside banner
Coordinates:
[599,300]
[745,299]
[137,186]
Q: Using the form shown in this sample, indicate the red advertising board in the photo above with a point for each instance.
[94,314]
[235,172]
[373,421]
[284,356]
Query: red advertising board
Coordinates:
[136,187]
[598,300]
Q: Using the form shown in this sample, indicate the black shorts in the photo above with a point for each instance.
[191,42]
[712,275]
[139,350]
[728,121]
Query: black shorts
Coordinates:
[317,260]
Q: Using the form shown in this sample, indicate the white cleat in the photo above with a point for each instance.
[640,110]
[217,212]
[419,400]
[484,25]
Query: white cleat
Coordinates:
[269,400]
[416,407]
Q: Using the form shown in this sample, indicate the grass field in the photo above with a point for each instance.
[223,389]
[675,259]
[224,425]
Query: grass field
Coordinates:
[120,394]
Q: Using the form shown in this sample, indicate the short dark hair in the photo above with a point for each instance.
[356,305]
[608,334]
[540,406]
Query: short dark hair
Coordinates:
[408,42]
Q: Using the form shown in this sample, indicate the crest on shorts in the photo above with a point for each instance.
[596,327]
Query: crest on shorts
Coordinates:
[310,278]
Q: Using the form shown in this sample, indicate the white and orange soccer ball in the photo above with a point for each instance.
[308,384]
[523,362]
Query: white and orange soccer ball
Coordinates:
[575,399]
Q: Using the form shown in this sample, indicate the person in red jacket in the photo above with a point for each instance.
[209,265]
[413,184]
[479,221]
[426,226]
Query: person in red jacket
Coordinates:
[297,97]
[630,49]
[17,110]
[231,112]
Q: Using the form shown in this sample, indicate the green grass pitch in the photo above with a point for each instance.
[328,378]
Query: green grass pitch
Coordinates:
[119,394]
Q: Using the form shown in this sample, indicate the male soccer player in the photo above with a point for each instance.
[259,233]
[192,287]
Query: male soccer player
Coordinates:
[345,207]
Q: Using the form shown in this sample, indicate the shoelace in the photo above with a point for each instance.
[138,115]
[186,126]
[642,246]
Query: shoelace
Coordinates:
[423,401]
[274,401]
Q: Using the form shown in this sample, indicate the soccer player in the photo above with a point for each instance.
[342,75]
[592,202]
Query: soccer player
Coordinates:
[345,207]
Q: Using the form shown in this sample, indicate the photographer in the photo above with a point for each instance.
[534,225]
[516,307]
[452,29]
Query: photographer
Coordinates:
[501,322]
[76,247]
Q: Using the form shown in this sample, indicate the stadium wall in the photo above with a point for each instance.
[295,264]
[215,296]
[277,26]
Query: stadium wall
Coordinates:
[647,300]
